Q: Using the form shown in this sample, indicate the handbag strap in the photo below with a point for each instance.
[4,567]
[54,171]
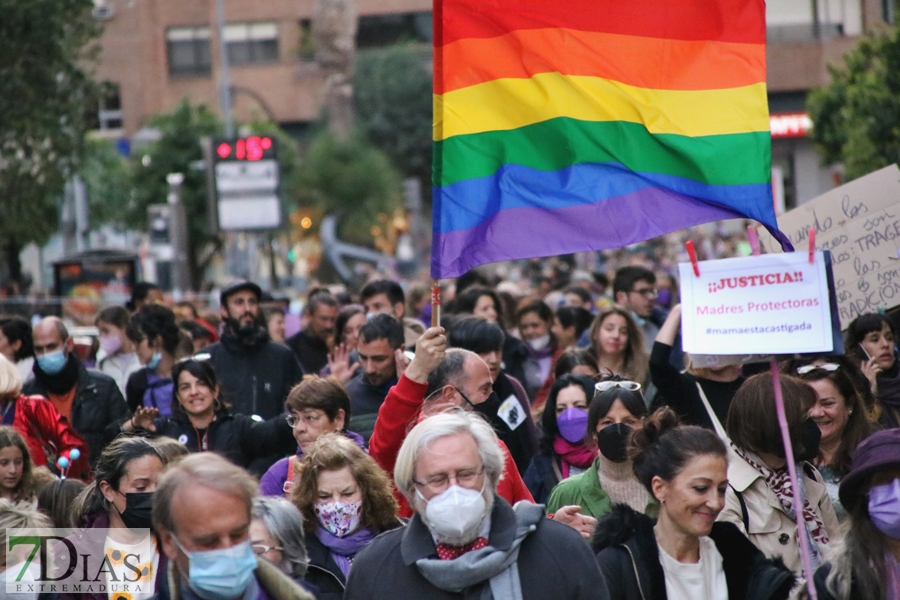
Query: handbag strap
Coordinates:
[717,425]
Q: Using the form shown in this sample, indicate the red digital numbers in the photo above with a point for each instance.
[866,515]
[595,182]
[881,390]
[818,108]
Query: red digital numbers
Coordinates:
[250,148]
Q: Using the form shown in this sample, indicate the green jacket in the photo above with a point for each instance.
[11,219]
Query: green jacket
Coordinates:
[584,490]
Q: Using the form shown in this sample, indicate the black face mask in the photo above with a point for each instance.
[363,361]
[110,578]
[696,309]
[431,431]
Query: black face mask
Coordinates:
[138,506]
[811,435]
[613,440]
[489,407]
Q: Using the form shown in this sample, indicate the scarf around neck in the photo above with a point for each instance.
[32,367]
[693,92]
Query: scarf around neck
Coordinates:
[575,455]
[343,549]
[63,381]
[779,481]
[488,563]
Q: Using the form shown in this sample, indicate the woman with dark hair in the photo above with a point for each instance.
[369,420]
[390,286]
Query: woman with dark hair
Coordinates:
[570,323]
[871,343]
[55,500]
[343,361]
[577,361]
[617,409]
[484,302]
[760,498]
[534,319]
[16,344]
[202,422]
[685,554]
[618,344]
[117,358]
[564,452]
[315,406]
[840,414]
[508,408]
[346,500]
[867,565]
[699,396]
[111,512]
[156,339]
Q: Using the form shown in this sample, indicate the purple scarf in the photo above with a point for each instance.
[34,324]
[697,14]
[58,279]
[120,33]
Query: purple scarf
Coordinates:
[343,549]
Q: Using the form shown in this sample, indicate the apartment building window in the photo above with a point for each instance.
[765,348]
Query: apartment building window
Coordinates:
[382,30]
[188,49]
[104,112]
[887,10]
[251,43]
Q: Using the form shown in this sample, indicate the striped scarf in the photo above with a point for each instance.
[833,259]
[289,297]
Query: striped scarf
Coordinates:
[779,481]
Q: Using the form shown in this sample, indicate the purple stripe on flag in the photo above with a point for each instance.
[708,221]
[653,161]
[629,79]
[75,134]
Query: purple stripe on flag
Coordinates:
[530,232]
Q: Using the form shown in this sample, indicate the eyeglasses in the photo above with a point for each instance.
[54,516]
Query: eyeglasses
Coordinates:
[830,367]
[309,418]
[465,478]
[202,357]
[260,549]
[631,386]
[646,292]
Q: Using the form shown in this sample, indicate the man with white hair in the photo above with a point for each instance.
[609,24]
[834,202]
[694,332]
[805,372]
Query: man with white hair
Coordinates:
[435,380]
[201,510]
[463,537]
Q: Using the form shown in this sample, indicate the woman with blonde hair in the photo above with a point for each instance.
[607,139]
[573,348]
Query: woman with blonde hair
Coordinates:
[618,344]
[47,435]
[346,500]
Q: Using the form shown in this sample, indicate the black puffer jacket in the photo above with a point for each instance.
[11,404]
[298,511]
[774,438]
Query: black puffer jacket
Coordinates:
[629,558]
[238,438]
[98,403]
[256,377]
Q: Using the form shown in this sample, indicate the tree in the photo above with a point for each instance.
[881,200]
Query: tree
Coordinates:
[46,88]
[352,180]
[177,150]
[393,98]
[856,118]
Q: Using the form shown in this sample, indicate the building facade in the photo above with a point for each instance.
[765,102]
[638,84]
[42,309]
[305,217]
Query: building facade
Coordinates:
[157,52]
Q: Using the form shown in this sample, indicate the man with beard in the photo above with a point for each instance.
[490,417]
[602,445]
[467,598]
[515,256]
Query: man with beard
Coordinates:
[255,373]
[89,400]
[464,537]
[380,337]
[310,344]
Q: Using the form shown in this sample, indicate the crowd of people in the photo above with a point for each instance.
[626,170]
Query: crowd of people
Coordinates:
[553,442]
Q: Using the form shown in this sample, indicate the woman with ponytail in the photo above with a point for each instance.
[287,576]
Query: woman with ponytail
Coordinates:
[685,554]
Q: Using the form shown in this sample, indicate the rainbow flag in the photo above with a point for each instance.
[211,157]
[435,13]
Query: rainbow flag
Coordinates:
[566,126]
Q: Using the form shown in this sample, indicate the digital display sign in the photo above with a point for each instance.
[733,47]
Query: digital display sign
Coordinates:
[252,148]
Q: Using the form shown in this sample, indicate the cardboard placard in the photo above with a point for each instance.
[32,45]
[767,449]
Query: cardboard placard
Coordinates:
[859,223]
[768,304]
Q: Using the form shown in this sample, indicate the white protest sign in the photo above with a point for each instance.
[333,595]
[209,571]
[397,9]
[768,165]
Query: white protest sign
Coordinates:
[768,304]
[860,223]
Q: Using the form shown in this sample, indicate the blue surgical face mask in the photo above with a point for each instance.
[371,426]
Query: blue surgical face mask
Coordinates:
[220,574]
[154,361]
[52,363]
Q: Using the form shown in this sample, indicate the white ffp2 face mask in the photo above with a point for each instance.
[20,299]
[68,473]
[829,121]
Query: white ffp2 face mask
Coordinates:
[456,513]
[540,343]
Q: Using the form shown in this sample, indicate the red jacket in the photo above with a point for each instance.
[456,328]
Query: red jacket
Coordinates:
[398,414]
[48,434]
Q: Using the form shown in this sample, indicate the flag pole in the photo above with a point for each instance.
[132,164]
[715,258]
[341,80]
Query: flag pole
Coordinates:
[802,535]
[435,303]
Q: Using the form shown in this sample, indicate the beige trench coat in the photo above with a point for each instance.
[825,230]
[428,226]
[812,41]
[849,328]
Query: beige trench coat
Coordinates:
[770,527]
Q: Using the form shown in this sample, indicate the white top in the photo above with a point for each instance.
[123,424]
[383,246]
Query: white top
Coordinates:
[124,559]
[705,579]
